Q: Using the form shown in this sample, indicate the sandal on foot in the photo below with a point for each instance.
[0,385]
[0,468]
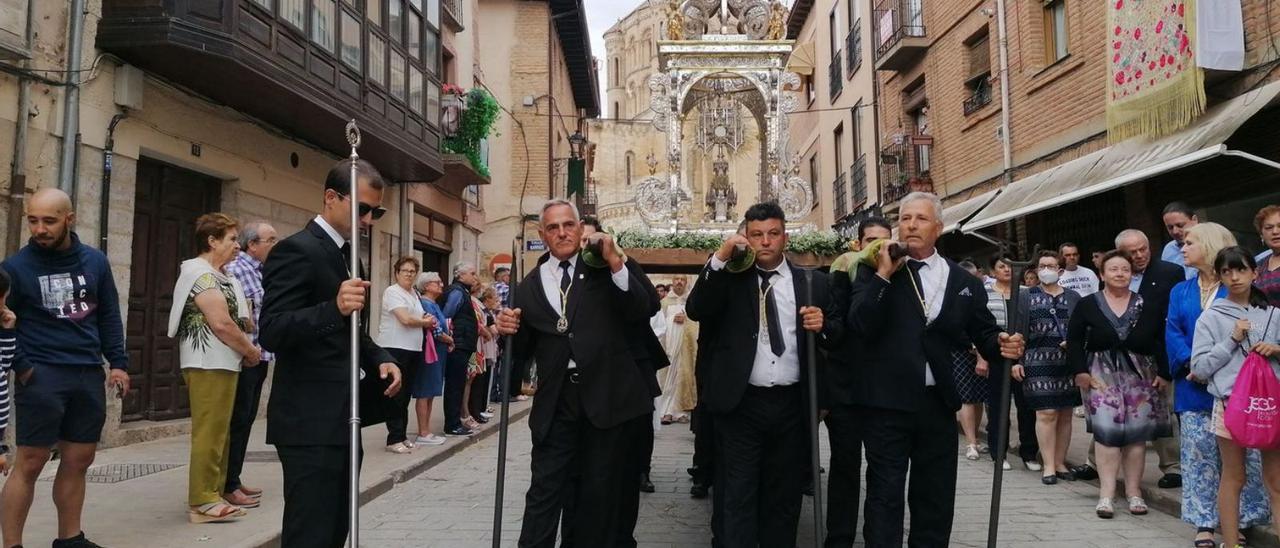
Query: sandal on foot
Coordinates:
[214,512]
[1104,508]
[1205,543]
[399,449]
[1137,506]
[251,492]
[236,498]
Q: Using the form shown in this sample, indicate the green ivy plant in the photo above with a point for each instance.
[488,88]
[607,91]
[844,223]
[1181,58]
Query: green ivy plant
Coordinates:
[474,125]
[821,243]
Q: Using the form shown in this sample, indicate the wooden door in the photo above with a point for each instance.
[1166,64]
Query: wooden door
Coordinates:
[168,201]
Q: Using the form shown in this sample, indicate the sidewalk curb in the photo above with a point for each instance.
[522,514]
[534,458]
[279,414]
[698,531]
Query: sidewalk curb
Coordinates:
[271,539]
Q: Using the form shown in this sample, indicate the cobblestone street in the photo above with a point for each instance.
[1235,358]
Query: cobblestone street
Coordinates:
[451,505]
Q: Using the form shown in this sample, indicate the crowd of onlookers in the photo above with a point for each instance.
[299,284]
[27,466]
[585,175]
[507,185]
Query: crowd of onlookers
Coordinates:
[1138,341]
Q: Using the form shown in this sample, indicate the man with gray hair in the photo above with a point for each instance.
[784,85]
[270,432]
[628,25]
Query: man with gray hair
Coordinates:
[256,240]
[466,333]
[906,325]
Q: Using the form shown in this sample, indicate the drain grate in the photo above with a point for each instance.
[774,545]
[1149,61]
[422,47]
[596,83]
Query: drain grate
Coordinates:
[261,456]
[115,473]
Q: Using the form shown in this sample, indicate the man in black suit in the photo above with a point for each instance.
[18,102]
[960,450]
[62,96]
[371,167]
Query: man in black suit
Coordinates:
[574,320]
[309,298]
[756,384]
[906,323]
[845,484]
[649,357]
[1154,280]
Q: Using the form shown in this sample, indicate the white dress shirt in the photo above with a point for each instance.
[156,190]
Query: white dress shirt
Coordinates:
[338,238]
[551,273]
[770,370]
[933,281]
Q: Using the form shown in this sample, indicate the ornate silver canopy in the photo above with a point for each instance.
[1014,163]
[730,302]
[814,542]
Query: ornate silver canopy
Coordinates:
[703,68]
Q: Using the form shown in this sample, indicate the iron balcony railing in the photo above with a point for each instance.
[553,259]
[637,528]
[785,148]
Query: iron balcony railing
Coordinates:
[840,196]
[836,76]
[979,96]
[853,47]
[858,177]
[895,20]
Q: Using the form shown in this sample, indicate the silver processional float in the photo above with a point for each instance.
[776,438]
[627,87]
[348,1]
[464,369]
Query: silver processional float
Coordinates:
[353,266]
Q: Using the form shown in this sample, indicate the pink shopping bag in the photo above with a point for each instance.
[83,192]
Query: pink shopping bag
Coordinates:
[1252,415]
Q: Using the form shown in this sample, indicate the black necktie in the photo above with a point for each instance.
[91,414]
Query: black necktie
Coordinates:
[346,253]
[915,267]
[771,314]
[565,279]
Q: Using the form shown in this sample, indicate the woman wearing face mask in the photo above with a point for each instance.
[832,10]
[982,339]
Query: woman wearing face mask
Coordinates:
[1233,326]
[1047,385]
[1201,465]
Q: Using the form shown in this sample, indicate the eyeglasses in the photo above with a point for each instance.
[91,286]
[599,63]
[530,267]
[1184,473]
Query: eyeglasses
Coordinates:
[409,271]
[366,209]
[265,240]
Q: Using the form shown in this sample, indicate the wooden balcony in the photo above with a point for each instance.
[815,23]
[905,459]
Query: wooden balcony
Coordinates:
[282,69]
[899,33]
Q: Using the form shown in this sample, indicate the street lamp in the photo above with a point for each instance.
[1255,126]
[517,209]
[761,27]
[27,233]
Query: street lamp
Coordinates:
[577,144]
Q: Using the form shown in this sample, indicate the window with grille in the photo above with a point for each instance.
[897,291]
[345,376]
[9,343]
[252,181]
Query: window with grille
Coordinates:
[978,85]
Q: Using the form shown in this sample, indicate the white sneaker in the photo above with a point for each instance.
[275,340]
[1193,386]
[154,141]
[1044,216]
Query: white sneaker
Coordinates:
[1079,412]
[486,415]
[1006,466]
[1033,466]
[971,452]
[430,439]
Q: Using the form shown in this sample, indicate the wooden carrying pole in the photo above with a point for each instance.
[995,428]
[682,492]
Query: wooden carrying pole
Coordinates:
[508,362]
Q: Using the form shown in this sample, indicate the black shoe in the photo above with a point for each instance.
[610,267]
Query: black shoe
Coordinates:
[77,541]
[1066,476]
[480,419]
[698,491]
[459,431]
[1049,480]
[1170,481]
[1085,472]
[692,470]
[646,486]
[808,489]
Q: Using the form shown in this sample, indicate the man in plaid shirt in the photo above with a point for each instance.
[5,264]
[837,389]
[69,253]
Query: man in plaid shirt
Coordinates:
[502,278]
[256,240]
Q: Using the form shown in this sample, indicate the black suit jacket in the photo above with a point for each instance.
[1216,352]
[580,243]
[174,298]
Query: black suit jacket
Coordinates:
[1157,285]
[888,327]
[601,318]
[646,349]
[836,386]
[310,392]
[728,304]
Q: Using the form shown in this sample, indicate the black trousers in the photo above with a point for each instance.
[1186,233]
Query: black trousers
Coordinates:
[761,449]
[702,422]
[455,383]
[644,435]
[925,443]
[410,363]
[629,499]
[1028,445]
[844,483]
[592,466]
[479,400]
[315,495]
[243,412]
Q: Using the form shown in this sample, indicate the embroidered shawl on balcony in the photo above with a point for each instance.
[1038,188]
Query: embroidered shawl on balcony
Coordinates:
[1154,85]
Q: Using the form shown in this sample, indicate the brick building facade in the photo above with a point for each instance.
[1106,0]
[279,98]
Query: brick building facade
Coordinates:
[940,117]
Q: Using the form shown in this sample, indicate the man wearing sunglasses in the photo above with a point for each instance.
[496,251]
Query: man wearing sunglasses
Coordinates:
[310,295]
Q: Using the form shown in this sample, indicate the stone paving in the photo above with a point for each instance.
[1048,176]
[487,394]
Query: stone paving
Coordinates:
[451,505]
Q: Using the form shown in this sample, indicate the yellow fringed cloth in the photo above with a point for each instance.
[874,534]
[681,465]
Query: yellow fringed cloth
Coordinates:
[1154,87]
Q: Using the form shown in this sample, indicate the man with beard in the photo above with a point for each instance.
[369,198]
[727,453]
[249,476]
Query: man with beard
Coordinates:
[66,297]
[575,321]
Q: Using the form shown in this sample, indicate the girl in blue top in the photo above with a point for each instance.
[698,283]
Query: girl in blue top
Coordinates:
[1201,463]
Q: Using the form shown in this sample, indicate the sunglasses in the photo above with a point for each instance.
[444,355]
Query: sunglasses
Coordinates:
[366,209]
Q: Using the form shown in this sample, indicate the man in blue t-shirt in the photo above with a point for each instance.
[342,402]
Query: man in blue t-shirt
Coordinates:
[66,297]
